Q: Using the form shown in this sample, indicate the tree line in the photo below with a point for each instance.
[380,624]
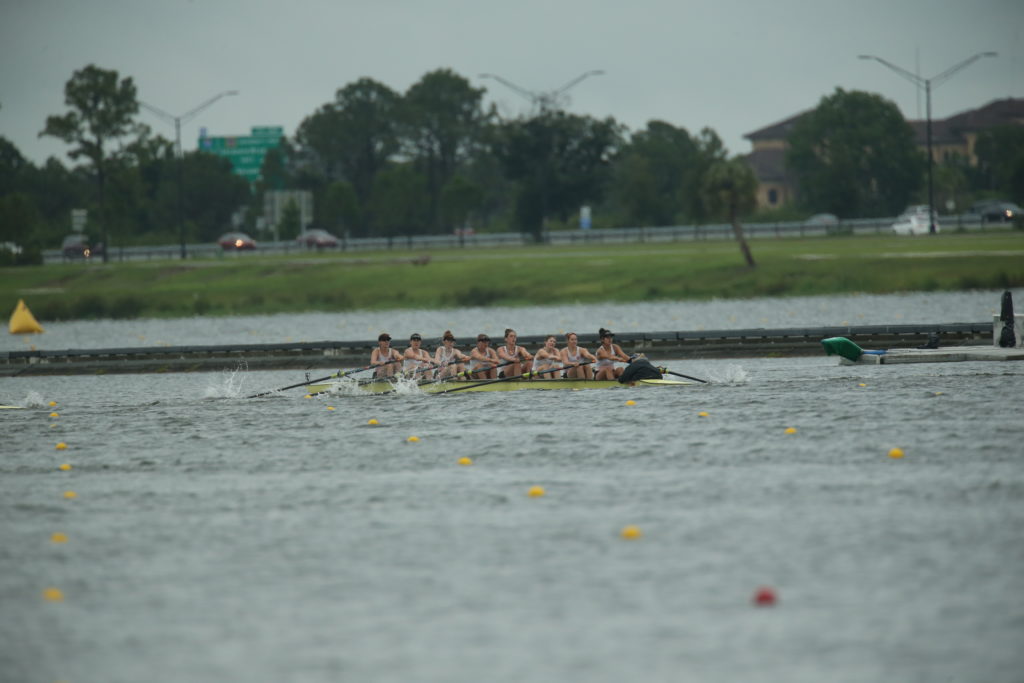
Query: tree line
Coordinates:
[435,159]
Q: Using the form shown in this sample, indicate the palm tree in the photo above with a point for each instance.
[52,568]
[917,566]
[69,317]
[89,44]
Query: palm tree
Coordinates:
[729,188]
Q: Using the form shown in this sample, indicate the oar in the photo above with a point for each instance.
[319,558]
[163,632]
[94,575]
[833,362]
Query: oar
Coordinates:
[666,371]
[525,375]
[339,373]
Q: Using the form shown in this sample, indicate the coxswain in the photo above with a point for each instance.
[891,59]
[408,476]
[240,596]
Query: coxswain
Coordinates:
[607,353]
[548,359]
[483,361]
[384,357]
[518,358]
[639,368]
[572,355]
[450,360]
[417,360]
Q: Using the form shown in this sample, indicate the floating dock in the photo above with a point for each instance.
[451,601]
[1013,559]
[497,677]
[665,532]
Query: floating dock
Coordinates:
[667,345]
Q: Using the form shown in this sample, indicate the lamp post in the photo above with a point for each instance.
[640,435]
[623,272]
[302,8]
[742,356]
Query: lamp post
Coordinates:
[928,84]
[544,100]
[177,121]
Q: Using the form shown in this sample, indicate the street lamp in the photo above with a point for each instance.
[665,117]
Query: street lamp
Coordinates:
[928,83]
[177,121]
[544,100]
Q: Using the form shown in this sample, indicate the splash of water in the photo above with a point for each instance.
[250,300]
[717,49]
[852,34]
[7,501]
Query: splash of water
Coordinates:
[730,374]
[34,400]
[230,385]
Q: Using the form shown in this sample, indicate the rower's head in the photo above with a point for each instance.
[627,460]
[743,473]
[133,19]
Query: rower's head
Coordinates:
[572,338]
[607,336]
[482,340]
[448,338]
[550,341]
[384,339]
[510,335]
[415,339]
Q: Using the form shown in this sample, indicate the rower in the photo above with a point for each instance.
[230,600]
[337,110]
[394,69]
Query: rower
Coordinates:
[450,360]
[607,353]
[417,360]
[483,360]
[572,355]
[639,368]
[548,359]
[518,358]
[383,357]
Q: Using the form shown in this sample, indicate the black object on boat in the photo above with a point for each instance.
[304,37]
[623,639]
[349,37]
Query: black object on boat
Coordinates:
[1007,339]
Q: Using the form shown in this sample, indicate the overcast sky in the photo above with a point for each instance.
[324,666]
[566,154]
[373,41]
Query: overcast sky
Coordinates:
[732,65]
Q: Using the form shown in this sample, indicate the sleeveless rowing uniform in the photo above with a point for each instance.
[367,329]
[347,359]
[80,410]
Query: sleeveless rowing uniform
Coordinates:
[447,356]
[606,362]
[574,357]
[543,364]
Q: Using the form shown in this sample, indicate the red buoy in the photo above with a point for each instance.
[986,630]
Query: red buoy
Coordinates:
[765,597]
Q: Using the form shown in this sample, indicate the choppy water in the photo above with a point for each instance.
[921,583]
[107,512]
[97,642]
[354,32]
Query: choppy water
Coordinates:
[860,309]
[215,538]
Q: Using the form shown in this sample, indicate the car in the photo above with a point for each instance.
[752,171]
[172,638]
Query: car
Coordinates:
[995,211]
[914,221]
[236,241]
[321,239]
[77,246]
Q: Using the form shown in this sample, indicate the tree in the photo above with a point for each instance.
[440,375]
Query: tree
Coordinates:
[854,155]
[291,221]
[561,161]
[443,122]
[355,136]
[398,202]
[730,187]
[339,209]
[1000,153]
[101,112]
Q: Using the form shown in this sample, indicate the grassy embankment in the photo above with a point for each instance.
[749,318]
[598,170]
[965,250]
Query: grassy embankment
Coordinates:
[252,283]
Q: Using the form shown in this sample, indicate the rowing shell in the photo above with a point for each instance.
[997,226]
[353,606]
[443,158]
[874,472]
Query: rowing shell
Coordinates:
[408,386]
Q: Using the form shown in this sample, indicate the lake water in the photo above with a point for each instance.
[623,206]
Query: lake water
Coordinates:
[218,538]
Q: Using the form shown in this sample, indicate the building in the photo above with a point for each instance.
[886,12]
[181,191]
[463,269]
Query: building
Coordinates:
[275,203]
[952,138]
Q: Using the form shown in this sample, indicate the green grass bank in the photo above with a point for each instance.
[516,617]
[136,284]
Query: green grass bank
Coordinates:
[255,284]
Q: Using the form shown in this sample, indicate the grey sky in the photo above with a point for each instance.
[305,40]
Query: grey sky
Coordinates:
[732,65]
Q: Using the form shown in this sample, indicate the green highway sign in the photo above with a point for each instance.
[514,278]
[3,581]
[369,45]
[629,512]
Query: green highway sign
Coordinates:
[245,152]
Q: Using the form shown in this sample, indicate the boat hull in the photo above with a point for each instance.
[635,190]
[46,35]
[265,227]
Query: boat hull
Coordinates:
[388,387]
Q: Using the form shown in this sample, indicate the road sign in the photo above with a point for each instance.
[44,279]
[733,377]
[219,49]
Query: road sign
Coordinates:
[79,217]
[245,152]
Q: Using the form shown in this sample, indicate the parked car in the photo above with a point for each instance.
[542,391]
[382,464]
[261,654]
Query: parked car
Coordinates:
[236,241]
[321,239]
[77,246]
[995,211]
[914,221]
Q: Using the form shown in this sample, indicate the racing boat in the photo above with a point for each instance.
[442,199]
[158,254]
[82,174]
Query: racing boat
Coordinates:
[383,386]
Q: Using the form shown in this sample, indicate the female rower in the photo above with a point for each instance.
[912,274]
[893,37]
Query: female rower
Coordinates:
[417,360]
[517,357]
[607,353]
[573,355]
[548,359]
[483,361]
[449,359]
[384,357]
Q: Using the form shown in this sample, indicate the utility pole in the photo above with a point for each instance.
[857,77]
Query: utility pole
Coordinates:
[928,84]
[177,121]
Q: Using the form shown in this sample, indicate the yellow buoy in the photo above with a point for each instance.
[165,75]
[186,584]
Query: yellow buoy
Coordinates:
[65,467]
[896,453]
[536,491]
[330,407]
[53,403]
[53,595]
[54,414]
[631,402]
[791,430]
[465,461]
[413,439]
[22,321]
[702,414]
[631,532]
[70,494]
[308,396]
[862,384]
[61,446]
[52,425]
[372,421]
[58,537]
